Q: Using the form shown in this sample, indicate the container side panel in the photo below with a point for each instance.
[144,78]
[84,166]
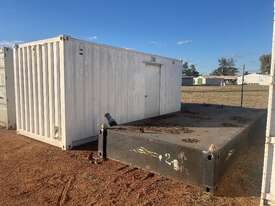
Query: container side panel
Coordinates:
[3,115]
[88,99]
[35,91]
[3,98]
[69,64]
[40,90]
[62,126]
[25,71]
[57,118]
[51,89]
[100,80]
[45,90]
[17,90]
[30,86]
[10,89]
[21,88]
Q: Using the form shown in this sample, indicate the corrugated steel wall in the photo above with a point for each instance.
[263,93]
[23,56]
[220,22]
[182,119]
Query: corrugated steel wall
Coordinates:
[3,96]
[7,101]
[101,79]
[38,90]
[65,86]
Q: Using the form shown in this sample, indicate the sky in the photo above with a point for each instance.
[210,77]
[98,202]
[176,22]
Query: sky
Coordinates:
[197,31]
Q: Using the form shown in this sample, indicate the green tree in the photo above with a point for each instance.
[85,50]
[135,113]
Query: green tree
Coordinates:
[189,70]
[265,61]
[226,67]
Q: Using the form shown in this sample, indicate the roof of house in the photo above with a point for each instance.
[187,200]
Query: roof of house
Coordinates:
[255,74]
[187,77]
[220,77]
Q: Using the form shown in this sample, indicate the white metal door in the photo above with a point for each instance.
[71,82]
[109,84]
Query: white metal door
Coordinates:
[152,91]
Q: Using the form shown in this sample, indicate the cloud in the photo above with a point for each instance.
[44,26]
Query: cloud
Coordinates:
[183,42]
[128,48]
[155,43]
[4,43]
[237,56]
[93,38]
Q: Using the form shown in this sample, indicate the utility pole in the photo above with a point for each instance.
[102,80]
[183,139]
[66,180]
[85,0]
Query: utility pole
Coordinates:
[242,86]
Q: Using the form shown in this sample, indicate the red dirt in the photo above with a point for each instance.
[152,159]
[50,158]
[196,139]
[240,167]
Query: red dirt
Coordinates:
[33,173]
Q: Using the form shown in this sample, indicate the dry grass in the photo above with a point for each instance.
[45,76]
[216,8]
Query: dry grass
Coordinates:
[254,96]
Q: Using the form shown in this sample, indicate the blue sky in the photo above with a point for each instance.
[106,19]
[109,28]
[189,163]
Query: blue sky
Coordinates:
[199,31]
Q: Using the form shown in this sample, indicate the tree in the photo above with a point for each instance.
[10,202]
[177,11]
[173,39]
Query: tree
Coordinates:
[189,70]
[226,67]
[265,61]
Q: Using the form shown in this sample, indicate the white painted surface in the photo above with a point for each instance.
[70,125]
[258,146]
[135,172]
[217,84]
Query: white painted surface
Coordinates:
[7,104]
[152,90]
[268,183]
[254,78]
[74,83]
[38,91]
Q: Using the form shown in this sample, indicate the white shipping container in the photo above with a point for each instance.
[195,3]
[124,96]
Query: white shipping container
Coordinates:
[7,101]
[64,86]
[268,182]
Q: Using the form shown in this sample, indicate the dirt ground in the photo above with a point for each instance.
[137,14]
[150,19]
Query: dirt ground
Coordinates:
[33,173]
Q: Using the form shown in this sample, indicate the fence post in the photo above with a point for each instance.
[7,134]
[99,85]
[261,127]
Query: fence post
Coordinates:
[242,86]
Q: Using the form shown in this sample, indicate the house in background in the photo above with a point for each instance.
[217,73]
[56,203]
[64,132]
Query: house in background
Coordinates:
[254,78]
[187,81]
[230,80]
[215,80]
